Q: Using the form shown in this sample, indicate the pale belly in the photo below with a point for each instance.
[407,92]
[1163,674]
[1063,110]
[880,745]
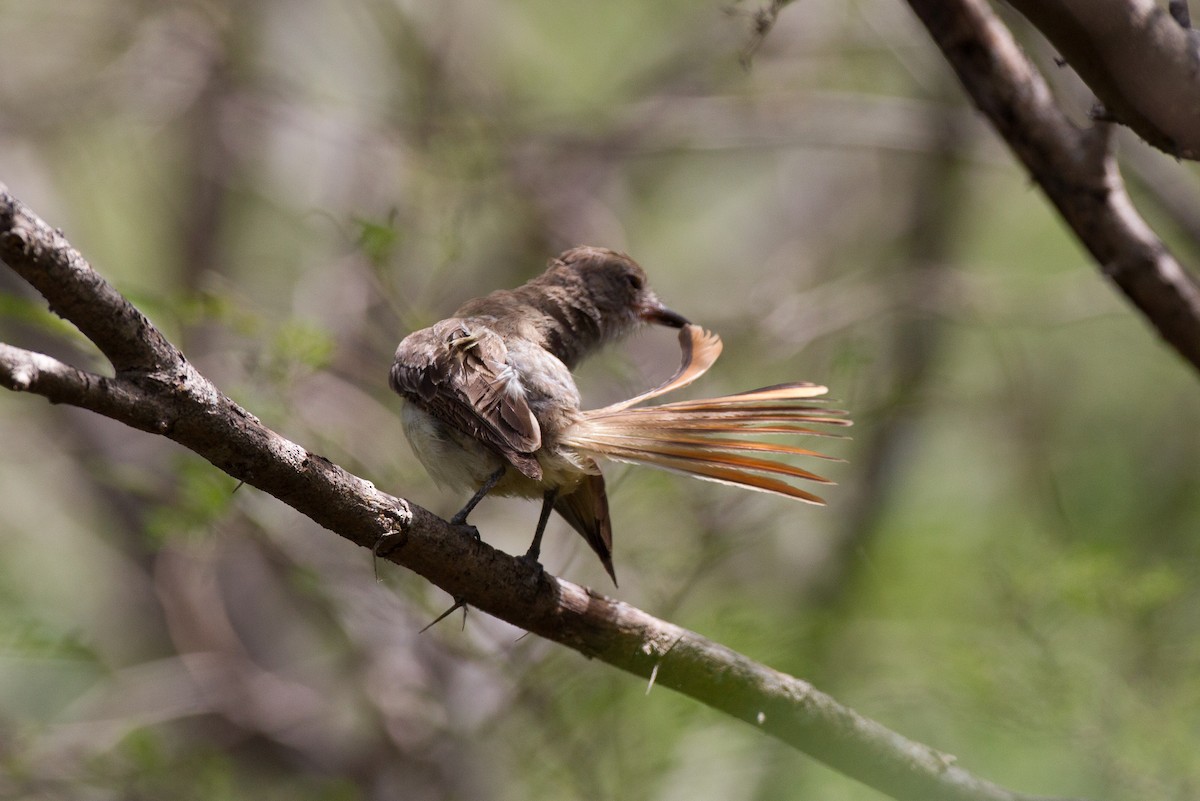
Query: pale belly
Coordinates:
[457,461]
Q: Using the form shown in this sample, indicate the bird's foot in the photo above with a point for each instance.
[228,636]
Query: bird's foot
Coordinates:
[530,560]
[468,529]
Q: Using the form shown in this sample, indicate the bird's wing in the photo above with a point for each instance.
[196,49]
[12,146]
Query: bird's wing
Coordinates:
[460,373]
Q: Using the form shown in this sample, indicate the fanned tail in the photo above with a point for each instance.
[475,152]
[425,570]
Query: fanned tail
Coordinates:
[707,438]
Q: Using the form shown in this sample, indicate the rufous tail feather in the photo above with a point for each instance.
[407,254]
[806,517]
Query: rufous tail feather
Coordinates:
[707,438]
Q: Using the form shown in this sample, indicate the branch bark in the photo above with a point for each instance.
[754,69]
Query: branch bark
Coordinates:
[1074,167]
[155,389]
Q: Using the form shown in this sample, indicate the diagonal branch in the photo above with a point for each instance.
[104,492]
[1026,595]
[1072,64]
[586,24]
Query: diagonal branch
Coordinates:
[175,401]
[1074,167]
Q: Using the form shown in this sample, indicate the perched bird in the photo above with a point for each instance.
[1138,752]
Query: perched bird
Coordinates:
[492,406]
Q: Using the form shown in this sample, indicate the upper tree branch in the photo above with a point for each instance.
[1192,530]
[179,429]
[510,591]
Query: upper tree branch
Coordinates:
[1075,168]
[1139,59]
[174,400]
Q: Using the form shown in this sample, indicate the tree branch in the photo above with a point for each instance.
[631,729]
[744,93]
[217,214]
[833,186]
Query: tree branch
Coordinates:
[76,293]
[1075,168]
[157,390]
[1142,62]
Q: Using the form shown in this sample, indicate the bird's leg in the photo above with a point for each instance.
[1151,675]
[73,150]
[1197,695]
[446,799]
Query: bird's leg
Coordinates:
[535,547]
[530,556]
[460,518]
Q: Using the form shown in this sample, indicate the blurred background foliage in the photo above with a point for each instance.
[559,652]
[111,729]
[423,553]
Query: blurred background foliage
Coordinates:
[1006,571]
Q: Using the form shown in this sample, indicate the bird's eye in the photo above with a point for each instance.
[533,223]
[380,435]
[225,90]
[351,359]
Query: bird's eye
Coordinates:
[635,281]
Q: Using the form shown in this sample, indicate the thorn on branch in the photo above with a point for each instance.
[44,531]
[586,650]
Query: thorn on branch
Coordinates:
[459,603]
[375,552]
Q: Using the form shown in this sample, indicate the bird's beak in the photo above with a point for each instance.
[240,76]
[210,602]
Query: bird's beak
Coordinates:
[655,312]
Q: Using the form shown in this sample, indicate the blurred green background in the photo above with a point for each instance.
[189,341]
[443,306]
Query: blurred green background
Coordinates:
[1006,571]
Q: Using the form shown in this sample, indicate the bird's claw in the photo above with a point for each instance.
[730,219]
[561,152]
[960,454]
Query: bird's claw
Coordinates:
[530,561]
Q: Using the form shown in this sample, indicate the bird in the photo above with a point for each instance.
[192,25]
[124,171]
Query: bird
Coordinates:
[491,405]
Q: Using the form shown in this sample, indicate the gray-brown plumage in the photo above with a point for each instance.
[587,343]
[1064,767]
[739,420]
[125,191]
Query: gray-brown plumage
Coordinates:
[492,405]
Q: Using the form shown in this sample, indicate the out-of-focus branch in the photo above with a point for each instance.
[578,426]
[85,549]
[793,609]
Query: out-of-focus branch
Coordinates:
[915,341]
[1180,12]
[764,20]
[1139,59]
[156,390]
[1075,168]
[1173,192]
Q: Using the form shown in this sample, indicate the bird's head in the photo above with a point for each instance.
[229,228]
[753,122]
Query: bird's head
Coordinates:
[616,287]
